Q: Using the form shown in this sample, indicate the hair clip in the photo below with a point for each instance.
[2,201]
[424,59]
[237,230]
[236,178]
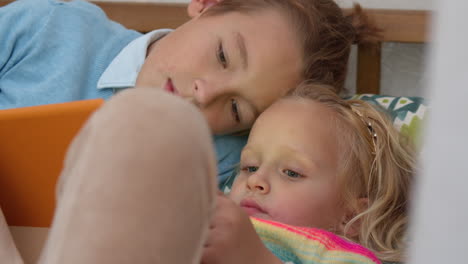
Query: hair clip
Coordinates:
[370,128]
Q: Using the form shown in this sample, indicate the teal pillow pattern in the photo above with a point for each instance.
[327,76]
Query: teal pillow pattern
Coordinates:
[407,113]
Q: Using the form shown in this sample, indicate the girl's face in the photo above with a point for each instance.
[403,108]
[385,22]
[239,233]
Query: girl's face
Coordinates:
[233,66]
[289,167]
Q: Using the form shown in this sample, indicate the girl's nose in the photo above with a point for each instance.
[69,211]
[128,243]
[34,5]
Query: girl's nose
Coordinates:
[258,183]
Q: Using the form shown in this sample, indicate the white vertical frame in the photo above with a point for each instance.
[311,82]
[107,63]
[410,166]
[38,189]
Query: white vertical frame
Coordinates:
[439,231]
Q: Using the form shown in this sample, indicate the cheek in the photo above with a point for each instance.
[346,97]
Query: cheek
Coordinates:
[288,210]
[299,214]
[190,56]
[313,211]
[155,67]
[169,62]
[218,118]
[216,123]
[237,190]
[174,56]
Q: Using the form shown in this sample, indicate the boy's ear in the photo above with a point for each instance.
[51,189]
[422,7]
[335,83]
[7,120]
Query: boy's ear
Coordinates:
[196,7]
[353,230]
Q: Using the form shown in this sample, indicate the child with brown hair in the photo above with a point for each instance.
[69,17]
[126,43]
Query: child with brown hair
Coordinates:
[318,175]
[232,59]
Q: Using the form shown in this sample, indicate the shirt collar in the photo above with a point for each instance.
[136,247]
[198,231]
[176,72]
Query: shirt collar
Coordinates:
[123,71]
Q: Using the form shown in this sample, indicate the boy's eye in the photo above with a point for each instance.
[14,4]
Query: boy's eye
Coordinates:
[235,110]
[221,56]
[292,174]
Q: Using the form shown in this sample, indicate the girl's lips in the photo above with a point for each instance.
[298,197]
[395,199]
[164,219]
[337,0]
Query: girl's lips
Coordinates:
[251,207]
[169,87]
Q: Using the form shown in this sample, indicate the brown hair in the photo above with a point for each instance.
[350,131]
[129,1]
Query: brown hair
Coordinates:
[377,168]
[326,33]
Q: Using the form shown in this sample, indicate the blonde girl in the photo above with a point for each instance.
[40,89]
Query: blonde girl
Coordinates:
[377,164]
[316,160]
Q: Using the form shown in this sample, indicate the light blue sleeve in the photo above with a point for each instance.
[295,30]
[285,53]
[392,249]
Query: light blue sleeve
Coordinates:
[228,149]
[20,22]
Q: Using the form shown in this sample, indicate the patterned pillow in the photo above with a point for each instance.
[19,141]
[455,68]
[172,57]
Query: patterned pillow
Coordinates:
[406,113]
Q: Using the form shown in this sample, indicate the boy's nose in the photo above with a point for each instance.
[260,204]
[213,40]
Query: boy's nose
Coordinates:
[205,92]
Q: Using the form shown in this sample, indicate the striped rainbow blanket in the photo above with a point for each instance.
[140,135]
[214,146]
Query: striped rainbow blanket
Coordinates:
[302,245]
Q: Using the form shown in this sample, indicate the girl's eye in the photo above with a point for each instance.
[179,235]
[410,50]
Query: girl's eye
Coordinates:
[221,56]
[235,110]
[292,174]
[251,169]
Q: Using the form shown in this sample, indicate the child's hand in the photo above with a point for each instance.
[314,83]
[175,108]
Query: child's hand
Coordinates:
[232,238]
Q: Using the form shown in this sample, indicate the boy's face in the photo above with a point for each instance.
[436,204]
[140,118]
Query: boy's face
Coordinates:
[289,167]
[233,66]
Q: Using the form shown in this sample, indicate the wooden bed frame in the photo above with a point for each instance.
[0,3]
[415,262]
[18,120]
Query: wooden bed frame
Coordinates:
[398,26]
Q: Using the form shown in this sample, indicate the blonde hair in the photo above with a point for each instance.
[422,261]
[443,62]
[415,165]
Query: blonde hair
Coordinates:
[379,169]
